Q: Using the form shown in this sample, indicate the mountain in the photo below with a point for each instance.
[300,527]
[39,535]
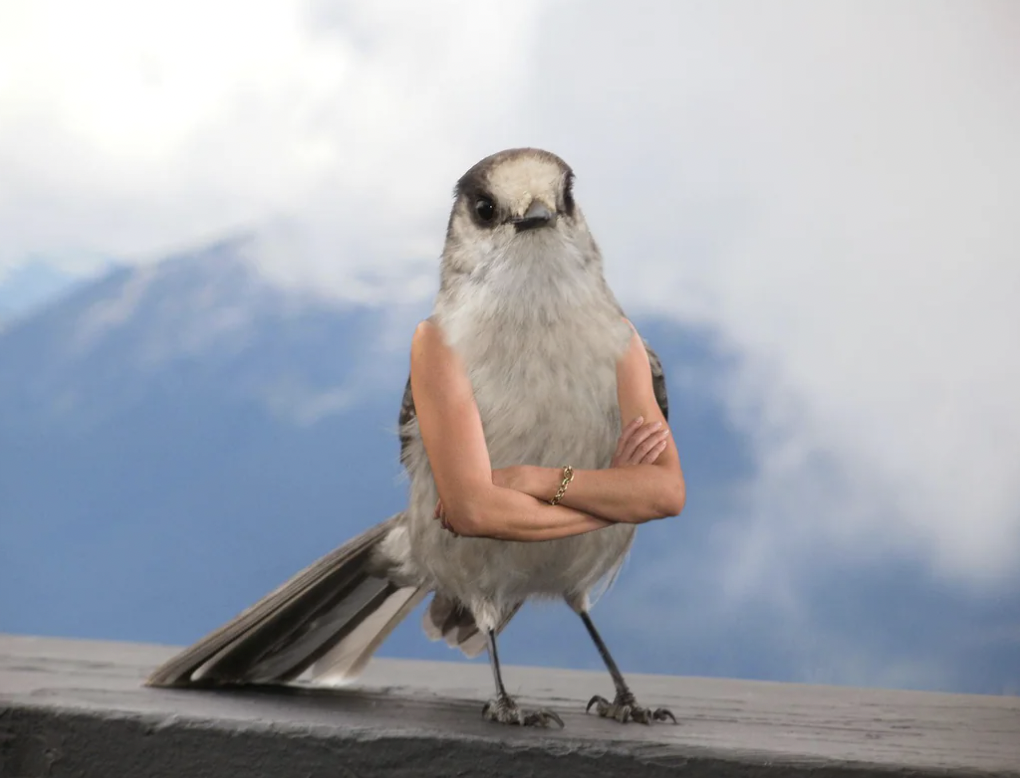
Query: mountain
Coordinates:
[30,285]
[164,421]
[177,439]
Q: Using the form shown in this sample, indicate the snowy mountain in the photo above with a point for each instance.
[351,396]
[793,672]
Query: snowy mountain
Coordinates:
[177,439]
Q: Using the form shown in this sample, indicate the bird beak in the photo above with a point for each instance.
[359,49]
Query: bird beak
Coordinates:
[537,215]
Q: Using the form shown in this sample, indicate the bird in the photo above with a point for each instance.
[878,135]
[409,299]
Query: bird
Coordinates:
[524,302]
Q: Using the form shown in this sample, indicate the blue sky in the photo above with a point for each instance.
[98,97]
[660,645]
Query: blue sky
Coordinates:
[829,189]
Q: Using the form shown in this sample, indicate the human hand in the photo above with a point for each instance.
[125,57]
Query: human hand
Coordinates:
[640,443]
[441,517]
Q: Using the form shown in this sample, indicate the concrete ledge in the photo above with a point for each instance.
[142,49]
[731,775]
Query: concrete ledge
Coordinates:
[76,708]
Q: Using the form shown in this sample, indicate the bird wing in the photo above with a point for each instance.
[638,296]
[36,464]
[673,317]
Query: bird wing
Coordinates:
[658,380]
[407,415]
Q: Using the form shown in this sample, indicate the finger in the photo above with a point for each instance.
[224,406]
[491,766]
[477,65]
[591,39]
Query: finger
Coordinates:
[639,437]
[627,432]
[654,453]
[650,443]
[439,510]
[637,456]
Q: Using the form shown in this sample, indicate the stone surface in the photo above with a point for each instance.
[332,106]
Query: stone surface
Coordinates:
[77,708]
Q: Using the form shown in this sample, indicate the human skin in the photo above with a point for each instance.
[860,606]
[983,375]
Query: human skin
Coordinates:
[645,482]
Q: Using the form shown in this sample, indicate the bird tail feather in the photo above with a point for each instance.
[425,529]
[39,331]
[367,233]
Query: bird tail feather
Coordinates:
[322,625]
[447,620]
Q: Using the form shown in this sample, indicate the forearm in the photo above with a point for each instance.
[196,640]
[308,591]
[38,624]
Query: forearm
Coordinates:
[507,514]
[633,494]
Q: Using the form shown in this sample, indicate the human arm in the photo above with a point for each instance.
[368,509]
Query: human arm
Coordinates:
[451,430]
[640,442]
[632,493]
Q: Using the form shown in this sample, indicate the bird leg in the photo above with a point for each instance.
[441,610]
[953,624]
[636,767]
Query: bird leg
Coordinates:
[624,708]
[503,709]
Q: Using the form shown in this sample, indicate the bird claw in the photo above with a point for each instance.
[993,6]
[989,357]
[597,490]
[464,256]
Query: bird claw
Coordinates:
[504,710]
[625,708]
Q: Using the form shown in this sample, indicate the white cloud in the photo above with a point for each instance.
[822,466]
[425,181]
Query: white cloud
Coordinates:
[831,186]
[835,189]
[133,128]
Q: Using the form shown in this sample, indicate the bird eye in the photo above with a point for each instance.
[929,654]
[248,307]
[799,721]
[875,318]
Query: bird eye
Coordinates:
[485,208]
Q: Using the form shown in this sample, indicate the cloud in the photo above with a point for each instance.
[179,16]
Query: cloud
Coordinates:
[133,130]
[835,192]
[830,188]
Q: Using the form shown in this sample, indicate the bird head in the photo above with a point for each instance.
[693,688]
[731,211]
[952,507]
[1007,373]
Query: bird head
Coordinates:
[515,210]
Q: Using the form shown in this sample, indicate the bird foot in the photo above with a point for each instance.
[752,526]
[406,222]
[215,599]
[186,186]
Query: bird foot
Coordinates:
[504,710]
[625,708]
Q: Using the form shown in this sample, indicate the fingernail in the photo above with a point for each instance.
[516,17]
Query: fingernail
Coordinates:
[639,419]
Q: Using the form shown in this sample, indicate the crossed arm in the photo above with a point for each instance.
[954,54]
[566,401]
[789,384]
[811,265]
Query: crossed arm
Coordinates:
[646,481]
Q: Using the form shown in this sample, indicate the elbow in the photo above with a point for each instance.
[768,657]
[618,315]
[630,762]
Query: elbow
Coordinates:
[462,523]
[465,519]
[672,501]
[679,500]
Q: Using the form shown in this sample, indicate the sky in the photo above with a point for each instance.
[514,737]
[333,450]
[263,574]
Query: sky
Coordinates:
[831,189]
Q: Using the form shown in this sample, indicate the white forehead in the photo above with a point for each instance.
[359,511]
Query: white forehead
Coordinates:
[520,180]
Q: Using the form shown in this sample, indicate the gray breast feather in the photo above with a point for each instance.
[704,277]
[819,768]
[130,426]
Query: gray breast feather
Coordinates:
[407,411]
[492,577]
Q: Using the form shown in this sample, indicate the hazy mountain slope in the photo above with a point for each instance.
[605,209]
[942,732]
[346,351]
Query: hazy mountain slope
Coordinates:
[176,440]
[31,285]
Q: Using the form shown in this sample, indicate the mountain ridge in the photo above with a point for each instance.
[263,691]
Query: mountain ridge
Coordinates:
[178,439]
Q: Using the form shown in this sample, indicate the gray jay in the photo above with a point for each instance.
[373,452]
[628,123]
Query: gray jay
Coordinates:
[532,429]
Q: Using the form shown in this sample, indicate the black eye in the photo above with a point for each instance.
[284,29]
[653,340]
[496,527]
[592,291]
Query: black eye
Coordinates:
[485,208]
[568,196]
